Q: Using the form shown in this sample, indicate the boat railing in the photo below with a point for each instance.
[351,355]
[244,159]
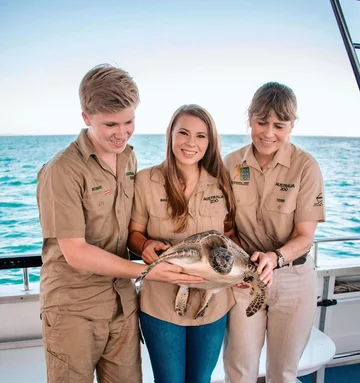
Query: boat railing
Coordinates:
[318,241]
[26,261]
[34,260]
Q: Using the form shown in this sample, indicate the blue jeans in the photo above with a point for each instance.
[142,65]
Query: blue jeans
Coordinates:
[182,354]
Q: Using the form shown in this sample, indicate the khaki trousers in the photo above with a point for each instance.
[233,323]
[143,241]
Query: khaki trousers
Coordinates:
[75,347]
[286,322]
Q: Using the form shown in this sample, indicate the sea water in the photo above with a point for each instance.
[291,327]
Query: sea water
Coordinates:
[22,156]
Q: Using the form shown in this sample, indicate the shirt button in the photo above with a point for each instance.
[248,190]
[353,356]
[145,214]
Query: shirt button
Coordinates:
[101,203]
[279,206]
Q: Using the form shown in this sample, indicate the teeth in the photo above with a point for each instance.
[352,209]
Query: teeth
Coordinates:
[189,153]
[267,142]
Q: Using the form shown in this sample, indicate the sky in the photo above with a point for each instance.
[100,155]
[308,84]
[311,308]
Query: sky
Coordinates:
[213,53]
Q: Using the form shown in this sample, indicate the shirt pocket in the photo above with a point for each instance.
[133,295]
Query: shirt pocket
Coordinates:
[160,225]
[212,216]
[97,212]
[281,203]
[246,198]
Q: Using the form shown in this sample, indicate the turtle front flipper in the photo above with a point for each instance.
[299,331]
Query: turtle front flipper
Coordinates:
[207,294]
[258,292]
[181,300]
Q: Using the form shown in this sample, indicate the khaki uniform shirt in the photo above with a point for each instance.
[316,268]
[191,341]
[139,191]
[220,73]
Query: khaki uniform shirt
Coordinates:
[207,210]
[271,201]
[80,197]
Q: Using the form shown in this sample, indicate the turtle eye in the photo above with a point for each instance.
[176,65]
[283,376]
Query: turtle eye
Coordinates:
[221,260]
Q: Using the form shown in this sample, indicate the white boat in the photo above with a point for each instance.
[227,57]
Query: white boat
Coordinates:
[334,341]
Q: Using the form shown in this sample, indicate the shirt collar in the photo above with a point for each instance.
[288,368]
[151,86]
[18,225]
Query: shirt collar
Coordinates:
[85,145]
[282,156]
[204,180]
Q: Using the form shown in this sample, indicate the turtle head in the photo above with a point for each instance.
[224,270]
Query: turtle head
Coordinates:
[221,260]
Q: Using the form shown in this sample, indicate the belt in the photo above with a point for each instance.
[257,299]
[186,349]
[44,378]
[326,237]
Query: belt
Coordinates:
[298,261]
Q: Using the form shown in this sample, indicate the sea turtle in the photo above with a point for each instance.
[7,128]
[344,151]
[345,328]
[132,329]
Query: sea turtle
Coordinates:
[220,261]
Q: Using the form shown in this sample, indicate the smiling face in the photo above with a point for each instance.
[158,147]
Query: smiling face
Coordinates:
[109,133]
[190,140]
[268,136]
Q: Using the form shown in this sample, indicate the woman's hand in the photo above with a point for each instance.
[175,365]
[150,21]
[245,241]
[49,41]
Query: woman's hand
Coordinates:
[149,249]
[266,264]
[166,272]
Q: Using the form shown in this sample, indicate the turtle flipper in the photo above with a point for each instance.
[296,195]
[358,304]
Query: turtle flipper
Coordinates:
[258,292]
[183,253]
[204,303]
[181,300]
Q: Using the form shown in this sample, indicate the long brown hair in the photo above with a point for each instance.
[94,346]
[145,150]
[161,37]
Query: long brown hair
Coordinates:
[175,180]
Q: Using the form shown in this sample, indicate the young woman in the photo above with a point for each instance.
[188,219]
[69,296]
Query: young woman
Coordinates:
[188,193]
[279,201]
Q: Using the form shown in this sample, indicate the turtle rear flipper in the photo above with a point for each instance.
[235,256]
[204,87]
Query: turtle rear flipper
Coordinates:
[205,302]
[181,300]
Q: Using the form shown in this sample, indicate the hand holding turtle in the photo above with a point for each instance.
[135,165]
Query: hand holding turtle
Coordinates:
[266,264]
[166,272]
[149,249]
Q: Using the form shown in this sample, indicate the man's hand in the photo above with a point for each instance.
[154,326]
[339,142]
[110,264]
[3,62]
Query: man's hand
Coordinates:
[166,272]
[149,250]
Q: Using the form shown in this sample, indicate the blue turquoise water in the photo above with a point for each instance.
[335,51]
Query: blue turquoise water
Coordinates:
[22,156]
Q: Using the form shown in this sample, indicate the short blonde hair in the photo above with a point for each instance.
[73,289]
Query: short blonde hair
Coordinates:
[276,97]
[107,89]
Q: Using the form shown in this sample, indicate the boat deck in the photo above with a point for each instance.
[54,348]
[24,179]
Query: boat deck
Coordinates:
[31,354]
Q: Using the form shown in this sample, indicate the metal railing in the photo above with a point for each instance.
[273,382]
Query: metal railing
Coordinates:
[326,240]
[350,46]
[24,262]
[33,260]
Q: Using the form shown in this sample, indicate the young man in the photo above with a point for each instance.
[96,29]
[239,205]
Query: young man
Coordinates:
[89,308]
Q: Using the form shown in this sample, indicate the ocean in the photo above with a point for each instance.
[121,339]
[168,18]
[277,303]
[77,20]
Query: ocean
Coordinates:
[22,156]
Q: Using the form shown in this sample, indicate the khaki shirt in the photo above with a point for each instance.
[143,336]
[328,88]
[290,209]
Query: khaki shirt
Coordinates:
[207,210]
[80,197]
[271,201]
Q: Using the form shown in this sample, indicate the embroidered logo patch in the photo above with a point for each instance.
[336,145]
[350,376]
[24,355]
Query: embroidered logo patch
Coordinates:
[130,174]
[96,188]
[243,173]
[319,200]
[213,198]
[107,191]
[164,200]
[284,187]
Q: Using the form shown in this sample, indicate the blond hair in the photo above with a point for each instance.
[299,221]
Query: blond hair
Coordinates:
[175,181]
[276,97]
[107,89]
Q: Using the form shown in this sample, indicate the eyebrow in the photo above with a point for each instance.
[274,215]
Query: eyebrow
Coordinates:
[115,122]
[187,130]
